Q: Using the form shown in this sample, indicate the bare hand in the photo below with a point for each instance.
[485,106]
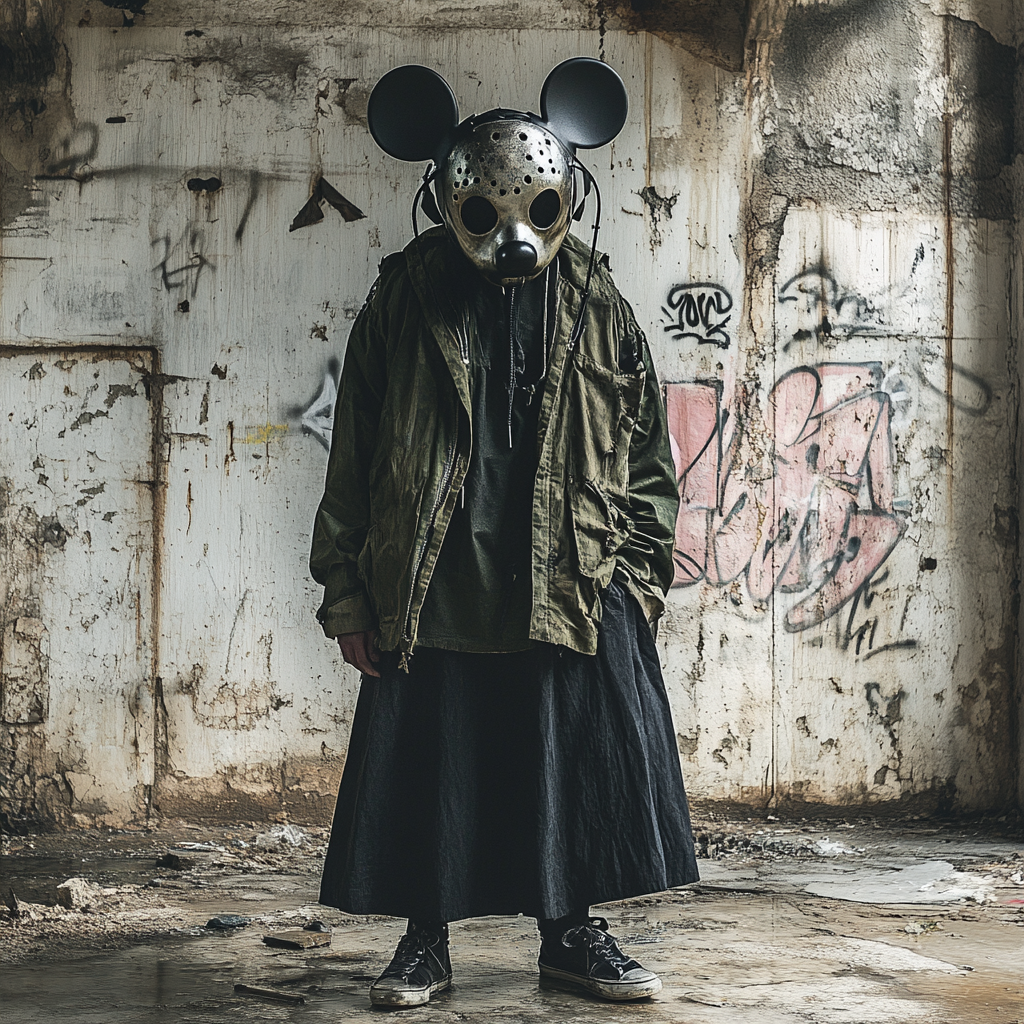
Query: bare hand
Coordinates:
[360,650]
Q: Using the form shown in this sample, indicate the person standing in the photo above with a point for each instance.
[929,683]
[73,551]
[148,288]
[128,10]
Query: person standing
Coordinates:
[495,541]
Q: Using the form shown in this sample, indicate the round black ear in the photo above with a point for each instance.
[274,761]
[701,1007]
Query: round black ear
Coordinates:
[584,102]
[411,113]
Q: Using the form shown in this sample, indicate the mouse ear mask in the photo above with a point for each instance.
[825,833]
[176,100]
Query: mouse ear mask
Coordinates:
[584,102]
[412,113]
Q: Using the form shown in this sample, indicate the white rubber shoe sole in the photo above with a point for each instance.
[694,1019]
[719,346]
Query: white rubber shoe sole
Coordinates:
[635,984]
[399,997]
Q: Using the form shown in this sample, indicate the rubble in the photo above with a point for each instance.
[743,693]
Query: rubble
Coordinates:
[290,835]
[174,862]
[301,938]
[79,894]
[751,936]
[270,993]
[227,922]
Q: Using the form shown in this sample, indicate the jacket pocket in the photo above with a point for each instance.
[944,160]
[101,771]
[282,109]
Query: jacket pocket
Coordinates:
[600,529]
[608,405]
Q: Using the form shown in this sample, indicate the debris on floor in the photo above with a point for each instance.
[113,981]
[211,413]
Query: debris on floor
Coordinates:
[856,922]
[281,835]
[297,938]
[175,862]
[225,922]
[270,993]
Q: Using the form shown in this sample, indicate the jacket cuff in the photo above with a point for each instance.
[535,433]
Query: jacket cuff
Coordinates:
[349,615]
[652,601]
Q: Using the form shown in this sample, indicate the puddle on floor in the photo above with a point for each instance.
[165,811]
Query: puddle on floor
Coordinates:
[857,880]
[782,940]
[180,979]
[725,959]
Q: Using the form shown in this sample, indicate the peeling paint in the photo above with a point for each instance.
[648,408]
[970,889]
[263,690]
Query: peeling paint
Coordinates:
[657,207]
[822,267]
[60,524]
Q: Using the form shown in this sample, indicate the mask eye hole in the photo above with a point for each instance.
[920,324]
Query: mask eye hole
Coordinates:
[478,215]
[545,208]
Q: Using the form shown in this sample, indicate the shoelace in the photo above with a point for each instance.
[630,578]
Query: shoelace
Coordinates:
[594,935]
[411,952]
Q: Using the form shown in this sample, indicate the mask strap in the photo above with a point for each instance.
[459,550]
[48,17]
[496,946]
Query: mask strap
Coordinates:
[425,199]
[587,178]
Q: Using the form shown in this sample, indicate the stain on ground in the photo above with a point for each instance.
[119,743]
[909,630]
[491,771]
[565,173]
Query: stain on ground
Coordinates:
[754,940]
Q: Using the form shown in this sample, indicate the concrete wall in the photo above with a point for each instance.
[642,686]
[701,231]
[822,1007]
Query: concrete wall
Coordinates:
[1017,326]
[815,226]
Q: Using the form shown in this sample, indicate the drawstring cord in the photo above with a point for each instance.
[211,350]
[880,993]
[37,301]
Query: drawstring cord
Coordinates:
[510,309]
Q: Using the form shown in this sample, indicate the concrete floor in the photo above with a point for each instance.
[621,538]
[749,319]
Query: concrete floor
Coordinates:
[830,923]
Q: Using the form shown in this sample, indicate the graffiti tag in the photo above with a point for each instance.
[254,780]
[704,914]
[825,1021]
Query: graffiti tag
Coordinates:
[825,312]
[317,418]
[183,263]
[699,311]
[811,514]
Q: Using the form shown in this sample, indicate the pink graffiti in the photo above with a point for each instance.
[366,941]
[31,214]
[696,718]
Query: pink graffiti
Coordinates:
[798,501]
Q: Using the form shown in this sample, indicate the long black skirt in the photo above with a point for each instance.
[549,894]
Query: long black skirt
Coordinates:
[538,782]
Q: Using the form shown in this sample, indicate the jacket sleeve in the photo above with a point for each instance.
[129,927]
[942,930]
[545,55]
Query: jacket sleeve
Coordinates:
[343,517]
[645,562]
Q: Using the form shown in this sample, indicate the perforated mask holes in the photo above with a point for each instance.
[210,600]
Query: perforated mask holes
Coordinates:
[507,181]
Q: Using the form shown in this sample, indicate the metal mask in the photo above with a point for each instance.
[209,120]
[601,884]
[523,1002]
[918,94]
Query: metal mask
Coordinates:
[506,194]
[504,179]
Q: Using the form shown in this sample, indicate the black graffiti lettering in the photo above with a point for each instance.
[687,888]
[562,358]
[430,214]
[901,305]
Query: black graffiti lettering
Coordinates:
[250,202]
[971,394]
[77,150]
[834,313]
[183,261]
[700,311]
[861,635]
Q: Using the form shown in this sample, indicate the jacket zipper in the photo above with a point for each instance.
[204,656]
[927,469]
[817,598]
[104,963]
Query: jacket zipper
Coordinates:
[462,340]
[442,494]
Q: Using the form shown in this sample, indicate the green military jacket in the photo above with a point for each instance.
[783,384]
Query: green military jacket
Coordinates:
[605,496]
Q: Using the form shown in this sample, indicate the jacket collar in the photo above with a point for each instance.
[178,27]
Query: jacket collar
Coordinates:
[573,260]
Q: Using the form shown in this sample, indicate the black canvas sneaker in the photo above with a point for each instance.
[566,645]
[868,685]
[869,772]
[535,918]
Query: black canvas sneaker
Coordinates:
[587,957]
[420,967]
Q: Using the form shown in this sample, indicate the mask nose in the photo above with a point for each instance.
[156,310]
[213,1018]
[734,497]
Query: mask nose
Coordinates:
[515,259]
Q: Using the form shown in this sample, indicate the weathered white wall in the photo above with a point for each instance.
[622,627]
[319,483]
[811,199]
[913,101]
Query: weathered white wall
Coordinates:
[863,651]
[819,247]
[1017,327]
